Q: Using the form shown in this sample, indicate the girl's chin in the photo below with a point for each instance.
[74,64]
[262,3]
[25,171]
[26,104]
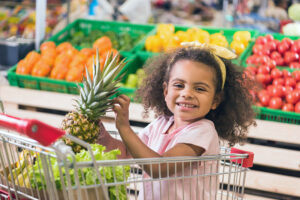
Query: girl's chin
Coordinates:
[189,118]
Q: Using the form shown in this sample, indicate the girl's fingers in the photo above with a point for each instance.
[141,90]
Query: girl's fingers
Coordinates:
[122,100]
[124,97]
[116,108]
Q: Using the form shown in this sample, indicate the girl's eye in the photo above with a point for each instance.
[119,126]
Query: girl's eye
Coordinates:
[200,89]
[178,85]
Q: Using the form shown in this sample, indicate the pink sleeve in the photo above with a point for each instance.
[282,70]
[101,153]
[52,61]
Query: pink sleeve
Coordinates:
[203,135]
[143,134]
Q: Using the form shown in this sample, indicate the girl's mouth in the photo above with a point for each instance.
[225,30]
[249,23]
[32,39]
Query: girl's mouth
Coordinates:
[185,105]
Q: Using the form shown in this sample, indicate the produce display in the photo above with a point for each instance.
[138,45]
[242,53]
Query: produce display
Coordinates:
[64,62]
[28,173]
[166,39]
[120,41]
[20,21]
[84,123]
[280,88]
[74,48]
[283,53]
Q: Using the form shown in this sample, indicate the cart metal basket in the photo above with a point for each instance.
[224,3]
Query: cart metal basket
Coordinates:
[45,168]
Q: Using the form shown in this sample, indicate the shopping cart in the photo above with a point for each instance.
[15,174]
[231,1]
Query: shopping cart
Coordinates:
[45,168]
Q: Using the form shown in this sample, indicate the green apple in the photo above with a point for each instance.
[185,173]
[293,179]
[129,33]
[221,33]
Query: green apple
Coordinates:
[140,76]
[131,81]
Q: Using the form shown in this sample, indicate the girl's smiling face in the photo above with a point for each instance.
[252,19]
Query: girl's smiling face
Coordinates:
[190,92]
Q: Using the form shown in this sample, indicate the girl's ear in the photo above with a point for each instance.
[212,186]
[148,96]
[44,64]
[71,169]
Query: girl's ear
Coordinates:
[165,88]
[217,100]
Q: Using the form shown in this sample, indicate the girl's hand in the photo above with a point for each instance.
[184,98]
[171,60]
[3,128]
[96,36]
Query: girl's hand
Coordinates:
[121,109]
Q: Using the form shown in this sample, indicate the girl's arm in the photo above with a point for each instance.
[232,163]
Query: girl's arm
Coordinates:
[111,143]
[139,150]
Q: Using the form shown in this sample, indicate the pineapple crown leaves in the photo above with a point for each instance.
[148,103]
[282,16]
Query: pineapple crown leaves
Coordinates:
[94,94]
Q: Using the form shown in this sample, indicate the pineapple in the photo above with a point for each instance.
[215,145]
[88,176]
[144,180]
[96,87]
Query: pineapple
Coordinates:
[84,122]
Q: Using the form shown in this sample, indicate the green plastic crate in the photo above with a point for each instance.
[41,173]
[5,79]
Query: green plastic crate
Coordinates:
[227,32]
[277,36]
[277,115]
[86,26]
[45,83]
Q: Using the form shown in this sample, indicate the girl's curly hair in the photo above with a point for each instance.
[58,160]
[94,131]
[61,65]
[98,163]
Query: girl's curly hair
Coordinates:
[234,114]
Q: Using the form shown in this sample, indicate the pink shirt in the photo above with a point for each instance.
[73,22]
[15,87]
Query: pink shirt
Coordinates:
[201,133]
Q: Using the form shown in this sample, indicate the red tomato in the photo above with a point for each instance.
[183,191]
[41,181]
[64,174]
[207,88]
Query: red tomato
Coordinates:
[263,69]
[261,40]
[297,107]
[272,46]
[270,88]
[290,56]
[252,69]
[261,78]
[251,59]
[296,75]
[288,107]
[269,37]
[277,91]
[298,86]
[278,81]
[296,47]
[262,93]
[276,73]
[287,41]
[294,65]
[290,82]
[275,54]
[287,89]
[286,73]
[282,47]
[292,97]
[279,61]
[275,103]
[268,79]
[257,48]
[271,63]
[264,59]
[264,99]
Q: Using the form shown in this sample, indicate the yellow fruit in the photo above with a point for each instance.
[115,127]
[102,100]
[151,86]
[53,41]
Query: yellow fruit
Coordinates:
[222,43]
[163,30]
[202,36]
[183,36]
[242,36]
[171,43]
[217,36]
[238,47]
[218,39]
[153,43]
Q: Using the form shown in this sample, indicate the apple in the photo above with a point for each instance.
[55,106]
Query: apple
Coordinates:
[131,81]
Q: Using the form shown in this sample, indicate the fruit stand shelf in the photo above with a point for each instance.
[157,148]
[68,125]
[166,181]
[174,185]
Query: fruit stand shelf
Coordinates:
[276,145]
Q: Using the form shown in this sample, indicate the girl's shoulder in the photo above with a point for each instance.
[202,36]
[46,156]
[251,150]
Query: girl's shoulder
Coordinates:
[160,124]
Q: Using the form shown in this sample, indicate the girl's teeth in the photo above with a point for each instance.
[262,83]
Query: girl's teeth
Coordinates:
[187,105]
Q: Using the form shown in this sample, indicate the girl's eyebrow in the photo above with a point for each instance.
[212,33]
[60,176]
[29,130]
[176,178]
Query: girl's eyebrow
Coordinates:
[197,83]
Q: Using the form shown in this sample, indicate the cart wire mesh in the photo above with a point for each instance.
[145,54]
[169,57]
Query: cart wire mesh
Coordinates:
[29,170]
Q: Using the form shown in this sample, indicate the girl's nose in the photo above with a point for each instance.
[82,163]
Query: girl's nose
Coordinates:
[187,93]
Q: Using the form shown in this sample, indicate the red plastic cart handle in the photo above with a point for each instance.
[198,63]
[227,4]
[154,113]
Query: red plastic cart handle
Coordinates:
[34,129]
[5,196]
[247,162]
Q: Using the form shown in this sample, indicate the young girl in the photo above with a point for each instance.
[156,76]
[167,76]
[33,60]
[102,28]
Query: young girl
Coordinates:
[199,98]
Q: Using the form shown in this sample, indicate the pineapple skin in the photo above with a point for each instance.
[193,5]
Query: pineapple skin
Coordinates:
[79,126]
